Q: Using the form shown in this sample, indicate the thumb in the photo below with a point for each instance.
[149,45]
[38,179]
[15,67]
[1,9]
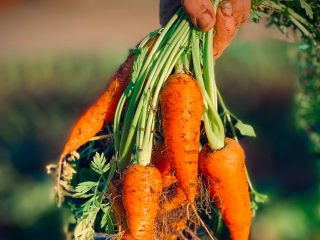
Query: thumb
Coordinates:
[200,12]
[225,28]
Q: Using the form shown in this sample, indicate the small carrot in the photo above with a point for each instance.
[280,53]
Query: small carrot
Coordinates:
[225,174]
[173,195]
[142,187]
[181,108]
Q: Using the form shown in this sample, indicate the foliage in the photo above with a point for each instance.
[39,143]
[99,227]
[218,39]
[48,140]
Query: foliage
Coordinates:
[308,98]
[304,17]
[96,202]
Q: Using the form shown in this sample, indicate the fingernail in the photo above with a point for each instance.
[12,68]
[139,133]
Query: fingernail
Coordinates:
[204,20]
[226,8]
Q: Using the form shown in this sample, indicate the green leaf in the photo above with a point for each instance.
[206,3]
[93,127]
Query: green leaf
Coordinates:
[303,46]
[99,164]
[307,8]
[138,63]
[106,221]
[245,129]
[82,195]
[84,228]
[85,187]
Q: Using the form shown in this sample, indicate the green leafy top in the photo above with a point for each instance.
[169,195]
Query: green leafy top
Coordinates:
[299,14]
[97,202]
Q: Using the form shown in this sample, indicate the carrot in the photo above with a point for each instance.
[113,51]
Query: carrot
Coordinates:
[127,236]
[225,175]
[170,183]
[142,186]
[181,108]
[160,160]
[92,121]
[102,111]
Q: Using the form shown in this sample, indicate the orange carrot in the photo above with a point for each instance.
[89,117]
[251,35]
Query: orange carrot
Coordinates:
[102,111]
[92,121]
[142,186]
[225,174]
[127,236]
[169,181]
[160,159]
[181,107]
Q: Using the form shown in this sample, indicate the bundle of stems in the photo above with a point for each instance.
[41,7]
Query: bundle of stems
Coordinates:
[178,47]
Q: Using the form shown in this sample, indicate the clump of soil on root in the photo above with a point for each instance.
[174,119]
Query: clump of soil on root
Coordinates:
[176,219]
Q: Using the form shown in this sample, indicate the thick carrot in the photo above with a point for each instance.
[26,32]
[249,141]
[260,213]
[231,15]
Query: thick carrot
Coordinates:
[102,111]
[181,108]
[225,174]
[142,187]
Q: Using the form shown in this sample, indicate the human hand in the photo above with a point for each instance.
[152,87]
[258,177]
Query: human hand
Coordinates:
[230,15]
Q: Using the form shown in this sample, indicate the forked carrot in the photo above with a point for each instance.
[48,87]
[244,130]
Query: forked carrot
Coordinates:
[161,161]
[181,110]
[142,187]
[225,173]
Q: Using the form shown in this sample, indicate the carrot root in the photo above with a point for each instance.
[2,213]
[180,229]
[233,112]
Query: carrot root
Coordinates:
[142,186]
[181,107]
[225,174]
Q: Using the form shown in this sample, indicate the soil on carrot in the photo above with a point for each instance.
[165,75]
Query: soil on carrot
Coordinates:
[177,223]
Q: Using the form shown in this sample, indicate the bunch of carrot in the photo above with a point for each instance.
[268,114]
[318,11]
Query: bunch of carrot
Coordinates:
[171,70]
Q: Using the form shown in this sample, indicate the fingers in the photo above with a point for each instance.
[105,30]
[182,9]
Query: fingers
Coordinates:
[200,12]
[225,28]
[167,9]
[241,11]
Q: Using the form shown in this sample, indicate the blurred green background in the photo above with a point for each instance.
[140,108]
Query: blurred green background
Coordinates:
[56,58]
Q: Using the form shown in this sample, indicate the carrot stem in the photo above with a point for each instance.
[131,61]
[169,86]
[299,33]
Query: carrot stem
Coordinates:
[127,138]
[138,108]
[213,124]
[133,91]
